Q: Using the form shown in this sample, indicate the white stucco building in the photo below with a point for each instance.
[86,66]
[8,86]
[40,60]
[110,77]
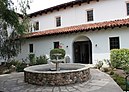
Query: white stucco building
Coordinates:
[86,29]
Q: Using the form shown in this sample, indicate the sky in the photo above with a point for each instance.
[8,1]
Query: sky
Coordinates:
[37,5]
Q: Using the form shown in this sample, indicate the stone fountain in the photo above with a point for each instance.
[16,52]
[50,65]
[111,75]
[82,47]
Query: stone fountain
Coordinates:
[69,73]
[57,73]
[56,61]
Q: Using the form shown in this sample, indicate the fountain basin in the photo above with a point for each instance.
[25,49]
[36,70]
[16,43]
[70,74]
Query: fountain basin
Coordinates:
[68,74]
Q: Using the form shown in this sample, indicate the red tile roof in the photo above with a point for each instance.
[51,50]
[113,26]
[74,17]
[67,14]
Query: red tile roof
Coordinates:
[81,28]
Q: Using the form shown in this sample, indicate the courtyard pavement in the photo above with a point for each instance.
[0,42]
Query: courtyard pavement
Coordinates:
[100,82]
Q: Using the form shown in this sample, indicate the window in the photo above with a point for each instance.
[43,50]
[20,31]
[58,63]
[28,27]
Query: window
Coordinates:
[90,15]
[127,4]
[56,45]
[36,25]
[31,48]
[58,21]
[114,43]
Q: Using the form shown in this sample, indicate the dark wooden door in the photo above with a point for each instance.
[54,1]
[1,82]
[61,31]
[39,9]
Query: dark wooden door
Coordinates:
[82,52]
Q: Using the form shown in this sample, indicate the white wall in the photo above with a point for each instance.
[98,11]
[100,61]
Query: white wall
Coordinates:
[101,38]
[104,10]
[43,45]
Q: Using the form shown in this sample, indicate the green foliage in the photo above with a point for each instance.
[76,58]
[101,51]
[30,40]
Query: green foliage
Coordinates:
[120,81]
[12,62]
[9,48]
[38,60]
[3,69]
[41,60]
[57,51]
[125,67]
[10,44]
[20,66]
[32,59]
[111,72]
[119,57]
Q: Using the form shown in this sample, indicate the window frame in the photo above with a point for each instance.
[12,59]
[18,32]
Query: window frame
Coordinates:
[58,21]
[89,17]
[31,48]
[31,28]
[127,8]
[114,42]
[55,44]
[36,25]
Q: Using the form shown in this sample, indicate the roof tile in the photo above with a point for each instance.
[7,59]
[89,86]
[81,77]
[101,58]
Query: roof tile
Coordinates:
[81,28]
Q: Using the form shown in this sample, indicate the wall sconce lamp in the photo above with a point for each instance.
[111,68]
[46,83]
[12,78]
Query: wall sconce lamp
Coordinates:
[96,45]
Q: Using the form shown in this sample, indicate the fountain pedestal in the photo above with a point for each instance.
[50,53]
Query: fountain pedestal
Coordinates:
[57,61]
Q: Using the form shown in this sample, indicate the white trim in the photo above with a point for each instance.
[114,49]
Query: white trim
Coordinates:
[56,21]
[86,15]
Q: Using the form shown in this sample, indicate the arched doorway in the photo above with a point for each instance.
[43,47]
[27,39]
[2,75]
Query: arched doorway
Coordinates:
[82,50]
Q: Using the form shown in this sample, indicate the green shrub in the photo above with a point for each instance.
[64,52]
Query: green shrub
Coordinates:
[20,66]
[41,60]
[57,51]
[125,67]
[111,72]
[120,81]
[119,57]
[32,59]
[8,65]
[4,69]
[12,62]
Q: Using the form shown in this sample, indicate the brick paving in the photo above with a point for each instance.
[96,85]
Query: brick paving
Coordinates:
[100,82]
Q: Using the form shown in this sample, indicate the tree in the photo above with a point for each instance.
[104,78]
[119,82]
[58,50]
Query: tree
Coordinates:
[12,27]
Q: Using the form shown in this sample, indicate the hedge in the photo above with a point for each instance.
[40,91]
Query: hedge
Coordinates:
[119,57]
